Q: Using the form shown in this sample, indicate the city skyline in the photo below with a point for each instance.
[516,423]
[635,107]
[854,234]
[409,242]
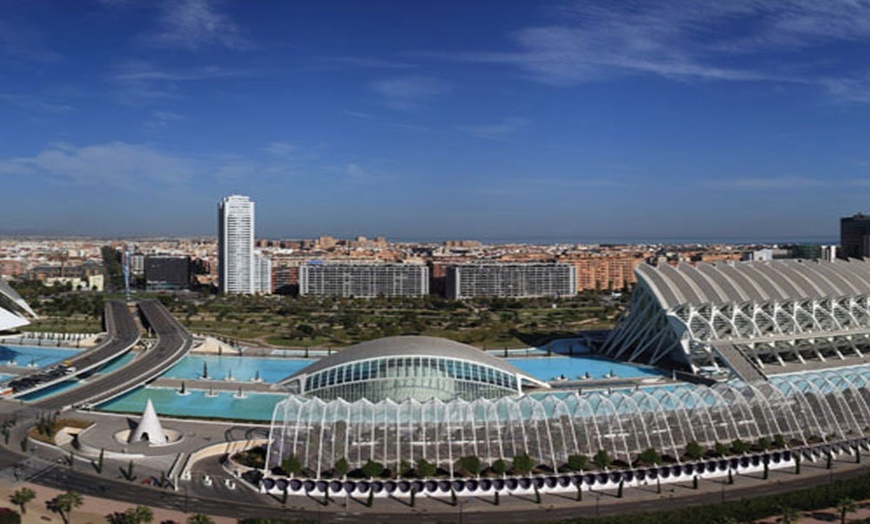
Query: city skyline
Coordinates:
[499,121]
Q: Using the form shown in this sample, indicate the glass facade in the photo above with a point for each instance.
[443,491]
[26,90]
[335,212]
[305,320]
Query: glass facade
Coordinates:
[416,377]
[804,408]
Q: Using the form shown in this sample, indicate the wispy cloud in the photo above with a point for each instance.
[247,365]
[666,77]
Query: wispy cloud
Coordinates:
[689,40]
[761,183]
[114,164]
[496,131]
[281,149]
[406,92]
[36,102]
[360,62]
[162,119]
[195,24]
[140,82]
[18,39]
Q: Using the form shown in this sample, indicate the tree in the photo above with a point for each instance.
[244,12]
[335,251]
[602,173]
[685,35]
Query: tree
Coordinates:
[139,515]
[764,443]
[577,462]
[341,467]
[846,506]
[650,456]
[602,459]
[425,469]
[778,441]
[21,497]
[470,464]
[65,503]
[373,469]
[720,449]
[199,518]
[291,465]
[789,515]
[499,467]
[524,464]
[739,446]
[694,451]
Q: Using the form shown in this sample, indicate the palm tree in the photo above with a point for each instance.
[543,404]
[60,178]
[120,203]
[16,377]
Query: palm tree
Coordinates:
[789,515]
[21,497]
[65,503]
[139,515]
[199,518]
[846,506]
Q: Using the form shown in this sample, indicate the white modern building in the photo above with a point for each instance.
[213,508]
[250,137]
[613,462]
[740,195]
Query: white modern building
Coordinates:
[14,311]
[756,318]
[363,280]
[236,245]
[515,280]
[262,274]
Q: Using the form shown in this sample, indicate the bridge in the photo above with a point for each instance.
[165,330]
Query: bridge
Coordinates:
[122,335]
[174,342]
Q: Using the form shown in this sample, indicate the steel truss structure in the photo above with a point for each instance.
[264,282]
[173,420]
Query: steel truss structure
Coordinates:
[746,315]
[804,408]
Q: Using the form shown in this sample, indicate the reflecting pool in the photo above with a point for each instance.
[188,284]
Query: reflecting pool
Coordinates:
[255,407]
[34,356]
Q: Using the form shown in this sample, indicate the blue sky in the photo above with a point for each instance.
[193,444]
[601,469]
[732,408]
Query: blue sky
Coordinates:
[499,119]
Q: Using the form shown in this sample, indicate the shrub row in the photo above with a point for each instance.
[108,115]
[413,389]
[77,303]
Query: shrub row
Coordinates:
[751,509]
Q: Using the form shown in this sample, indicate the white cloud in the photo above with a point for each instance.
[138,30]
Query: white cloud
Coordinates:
[689,40]
[358,62]
[115,164]
[162,119]
[281,149]
[497,131]
[36,102]
[760,183]
[408,91]
[194,24]
[141,82]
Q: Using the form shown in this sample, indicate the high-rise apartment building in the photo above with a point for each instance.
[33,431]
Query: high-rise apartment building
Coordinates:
[364,280]
[262,274]
[515,280]
[236,245]
[855,236]
[167,272]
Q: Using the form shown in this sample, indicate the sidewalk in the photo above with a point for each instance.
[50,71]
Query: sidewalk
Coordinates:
[93,511]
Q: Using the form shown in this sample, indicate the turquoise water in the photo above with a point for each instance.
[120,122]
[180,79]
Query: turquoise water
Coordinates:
[117,363]
[548,368]
[51,390]
[256,407]
[38,356]
[243,369]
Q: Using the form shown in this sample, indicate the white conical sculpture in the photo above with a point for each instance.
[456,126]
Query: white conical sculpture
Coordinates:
[149,427]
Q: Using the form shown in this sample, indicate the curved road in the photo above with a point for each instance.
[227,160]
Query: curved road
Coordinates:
[122,336]
[174,342]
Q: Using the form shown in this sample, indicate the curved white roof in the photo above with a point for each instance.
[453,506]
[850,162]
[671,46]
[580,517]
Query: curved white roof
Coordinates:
[402,346]
[14,311]
[739,282]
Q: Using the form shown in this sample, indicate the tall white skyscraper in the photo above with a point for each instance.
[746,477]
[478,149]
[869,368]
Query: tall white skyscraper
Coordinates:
[236,245]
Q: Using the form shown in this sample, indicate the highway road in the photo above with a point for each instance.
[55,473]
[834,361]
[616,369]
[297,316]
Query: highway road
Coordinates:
[122,334]
[174,342]
[471,510]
